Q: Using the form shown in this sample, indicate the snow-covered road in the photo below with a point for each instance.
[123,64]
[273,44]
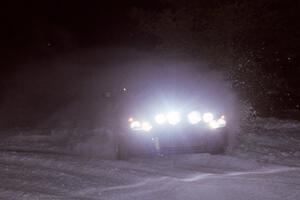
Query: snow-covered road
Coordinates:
[198,176]
[265,165]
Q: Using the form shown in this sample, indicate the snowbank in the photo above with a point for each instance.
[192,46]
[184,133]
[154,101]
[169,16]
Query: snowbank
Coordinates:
[277,124]
[270,140]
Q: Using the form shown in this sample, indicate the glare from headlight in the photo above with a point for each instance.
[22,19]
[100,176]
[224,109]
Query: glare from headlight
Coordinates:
[146,126]
[135,125]
[194,117]
[208,117]
[160,118]
[173,118]
[214,124]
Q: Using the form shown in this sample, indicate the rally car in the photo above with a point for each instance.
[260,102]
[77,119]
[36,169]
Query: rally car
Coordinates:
[173,131]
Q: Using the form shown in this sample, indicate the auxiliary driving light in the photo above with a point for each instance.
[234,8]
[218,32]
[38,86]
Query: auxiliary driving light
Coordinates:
[194,117]
[208,117]
[173,118]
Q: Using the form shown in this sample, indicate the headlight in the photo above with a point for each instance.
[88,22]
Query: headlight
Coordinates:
[160,119]
[173,118]
[135,125]
[138,126]
[194,117]
[208,117]
[222,121]
[214,124]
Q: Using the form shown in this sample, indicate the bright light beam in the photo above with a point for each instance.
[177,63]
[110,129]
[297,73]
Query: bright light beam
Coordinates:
[194,117]
[173,118]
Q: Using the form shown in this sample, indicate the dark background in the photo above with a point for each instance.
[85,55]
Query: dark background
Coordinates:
[255,42]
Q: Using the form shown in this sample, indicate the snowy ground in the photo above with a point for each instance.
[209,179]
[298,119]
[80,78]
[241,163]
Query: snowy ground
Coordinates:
[264,166]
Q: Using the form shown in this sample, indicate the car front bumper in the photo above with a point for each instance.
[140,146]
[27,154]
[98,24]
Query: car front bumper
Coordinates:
[174,140]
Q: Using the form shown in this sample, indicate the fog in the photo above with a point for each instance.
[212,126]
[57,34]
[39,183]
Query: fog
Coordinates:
[68,91]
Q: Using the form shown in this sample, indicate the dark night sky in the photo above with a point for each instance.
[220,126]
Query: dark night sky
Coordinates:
[33,29]
[39,30]
[88,22]
[35,25]
[29,26]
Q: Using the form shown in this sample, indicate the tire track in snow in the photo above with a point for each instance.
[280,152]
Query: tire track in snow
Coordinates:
[259,172]
[166,179]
